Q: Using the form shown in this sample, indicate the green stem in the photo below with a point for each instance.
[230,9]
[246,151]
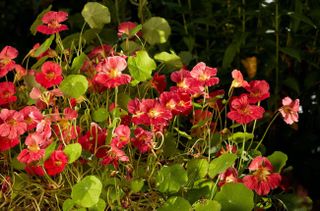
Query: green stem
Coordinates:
[243,146]
[264,135]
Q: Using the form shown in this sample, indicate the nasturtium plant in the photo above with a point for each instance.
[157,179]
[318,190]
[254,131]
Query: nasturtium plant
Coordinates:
[278,160]
[74,85]
[175,203]
[86,193]
[204,205]
[197,168]
[96,14]
[156,30]
[73,151]
[141,65]
[220,164]
[171,178]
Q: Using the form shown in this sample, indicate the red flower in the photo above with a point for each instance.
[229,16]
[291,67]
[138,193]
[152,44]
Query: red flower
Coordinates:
[143,140]
[7,55]
[34,170]
[20,71]
[229,149]
[158,82]
[110,72]
[242,112]
[122,136]
[50,75]
[49,53]
[229,176]
[56,163]
[157,114]
[114,155]
[94,139]
[186,83]
[205,74]
[35,151]
[100,52]
[238,80]
[52,22]
[126,27]
[12,124]
[6,144]
[139,116]
[7,91]
[262,180]
[258,91]
[289,110]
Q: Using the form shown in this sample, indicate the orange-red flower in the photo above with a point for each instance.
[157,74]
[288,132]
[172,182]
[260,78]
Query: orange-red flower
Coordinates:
[6,143]
[205,74]
[262,178]
[50,75]
[258,91]
[238,80]
[242,112]
[52,22]
[143,140]
[56,163]
[35,151]
[7,91]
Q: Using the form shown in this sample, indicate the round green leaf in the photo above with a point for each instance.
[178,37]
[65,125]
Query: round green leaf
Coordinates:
[78,62]
[278,160]
[170,59]
[171,178]
[73,151]
[136,185]
[100,115]
[221,163]
[156,30]
[68,205]
[175,203]
[74,86]
[86,193]
[100,206]
[239,136]
[235,196]
[141,66]
[197,168]
[207,205]
[96,15]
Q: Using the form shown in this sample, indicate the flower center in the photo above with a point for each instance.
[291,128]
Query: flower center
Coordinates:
[262,174]
[50,75]
[113,73]
[54,24]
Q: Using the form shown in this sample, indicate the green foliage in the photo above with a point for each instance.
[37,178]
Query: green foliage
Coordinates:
[100,115]
[141,66]
[240,136]
[44,46]
[207,205]
[156,30]
[86,193]
[175,203]
[78,62]
[73,151]
[96,15]
[278,160]
[197,168]
[171,178]
[74,86]
[221,163]
[235,196]
[38,20]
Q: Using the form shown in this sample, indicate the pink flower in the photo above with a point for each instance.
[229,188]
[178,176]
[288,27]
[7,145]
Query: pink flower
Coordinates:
[242,112]
[20,71]
[186,83]
[35,148]
[126,27]
[52,22]
[262,179]
[110,72]
[7,55]
[258,91]
[205,74]
[122,136]
[289,110]
[139,115]
[6,144]
[156,113]
[32,116]
[143,140]
[56,163]
[238,80]
[7,91]
[50,75]
[229,176]
[12,124]
[114,155]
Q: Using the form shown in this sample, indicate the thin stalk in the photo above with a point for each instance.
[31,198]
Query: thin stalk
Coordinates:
[243,146]
[264,135]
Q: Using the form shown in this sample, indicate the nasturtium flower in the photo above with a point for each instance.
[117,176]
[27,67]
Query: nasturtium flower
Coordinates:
[56,163]
[121,136]
[6,143]
[51,22]
[32,116]
[113,156]
[12,124]
[7,91]
[110,72]
[242,112]
[229,176]
[35,148]
[204,74]
[289,110]
[158,82]
[258,91]
[143,140]
[262,178]
[126,27]
[186,83]
[7,54]
[50,75]
[34,170]
[238,80]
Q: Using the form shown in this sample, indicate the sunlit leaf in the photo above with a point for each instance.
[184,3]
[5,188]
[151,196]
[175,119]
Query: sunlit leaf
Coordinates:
[171,178]
[96,15]
[221,163]
[74,86]
[278,160]
[175,203]
[156,30]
